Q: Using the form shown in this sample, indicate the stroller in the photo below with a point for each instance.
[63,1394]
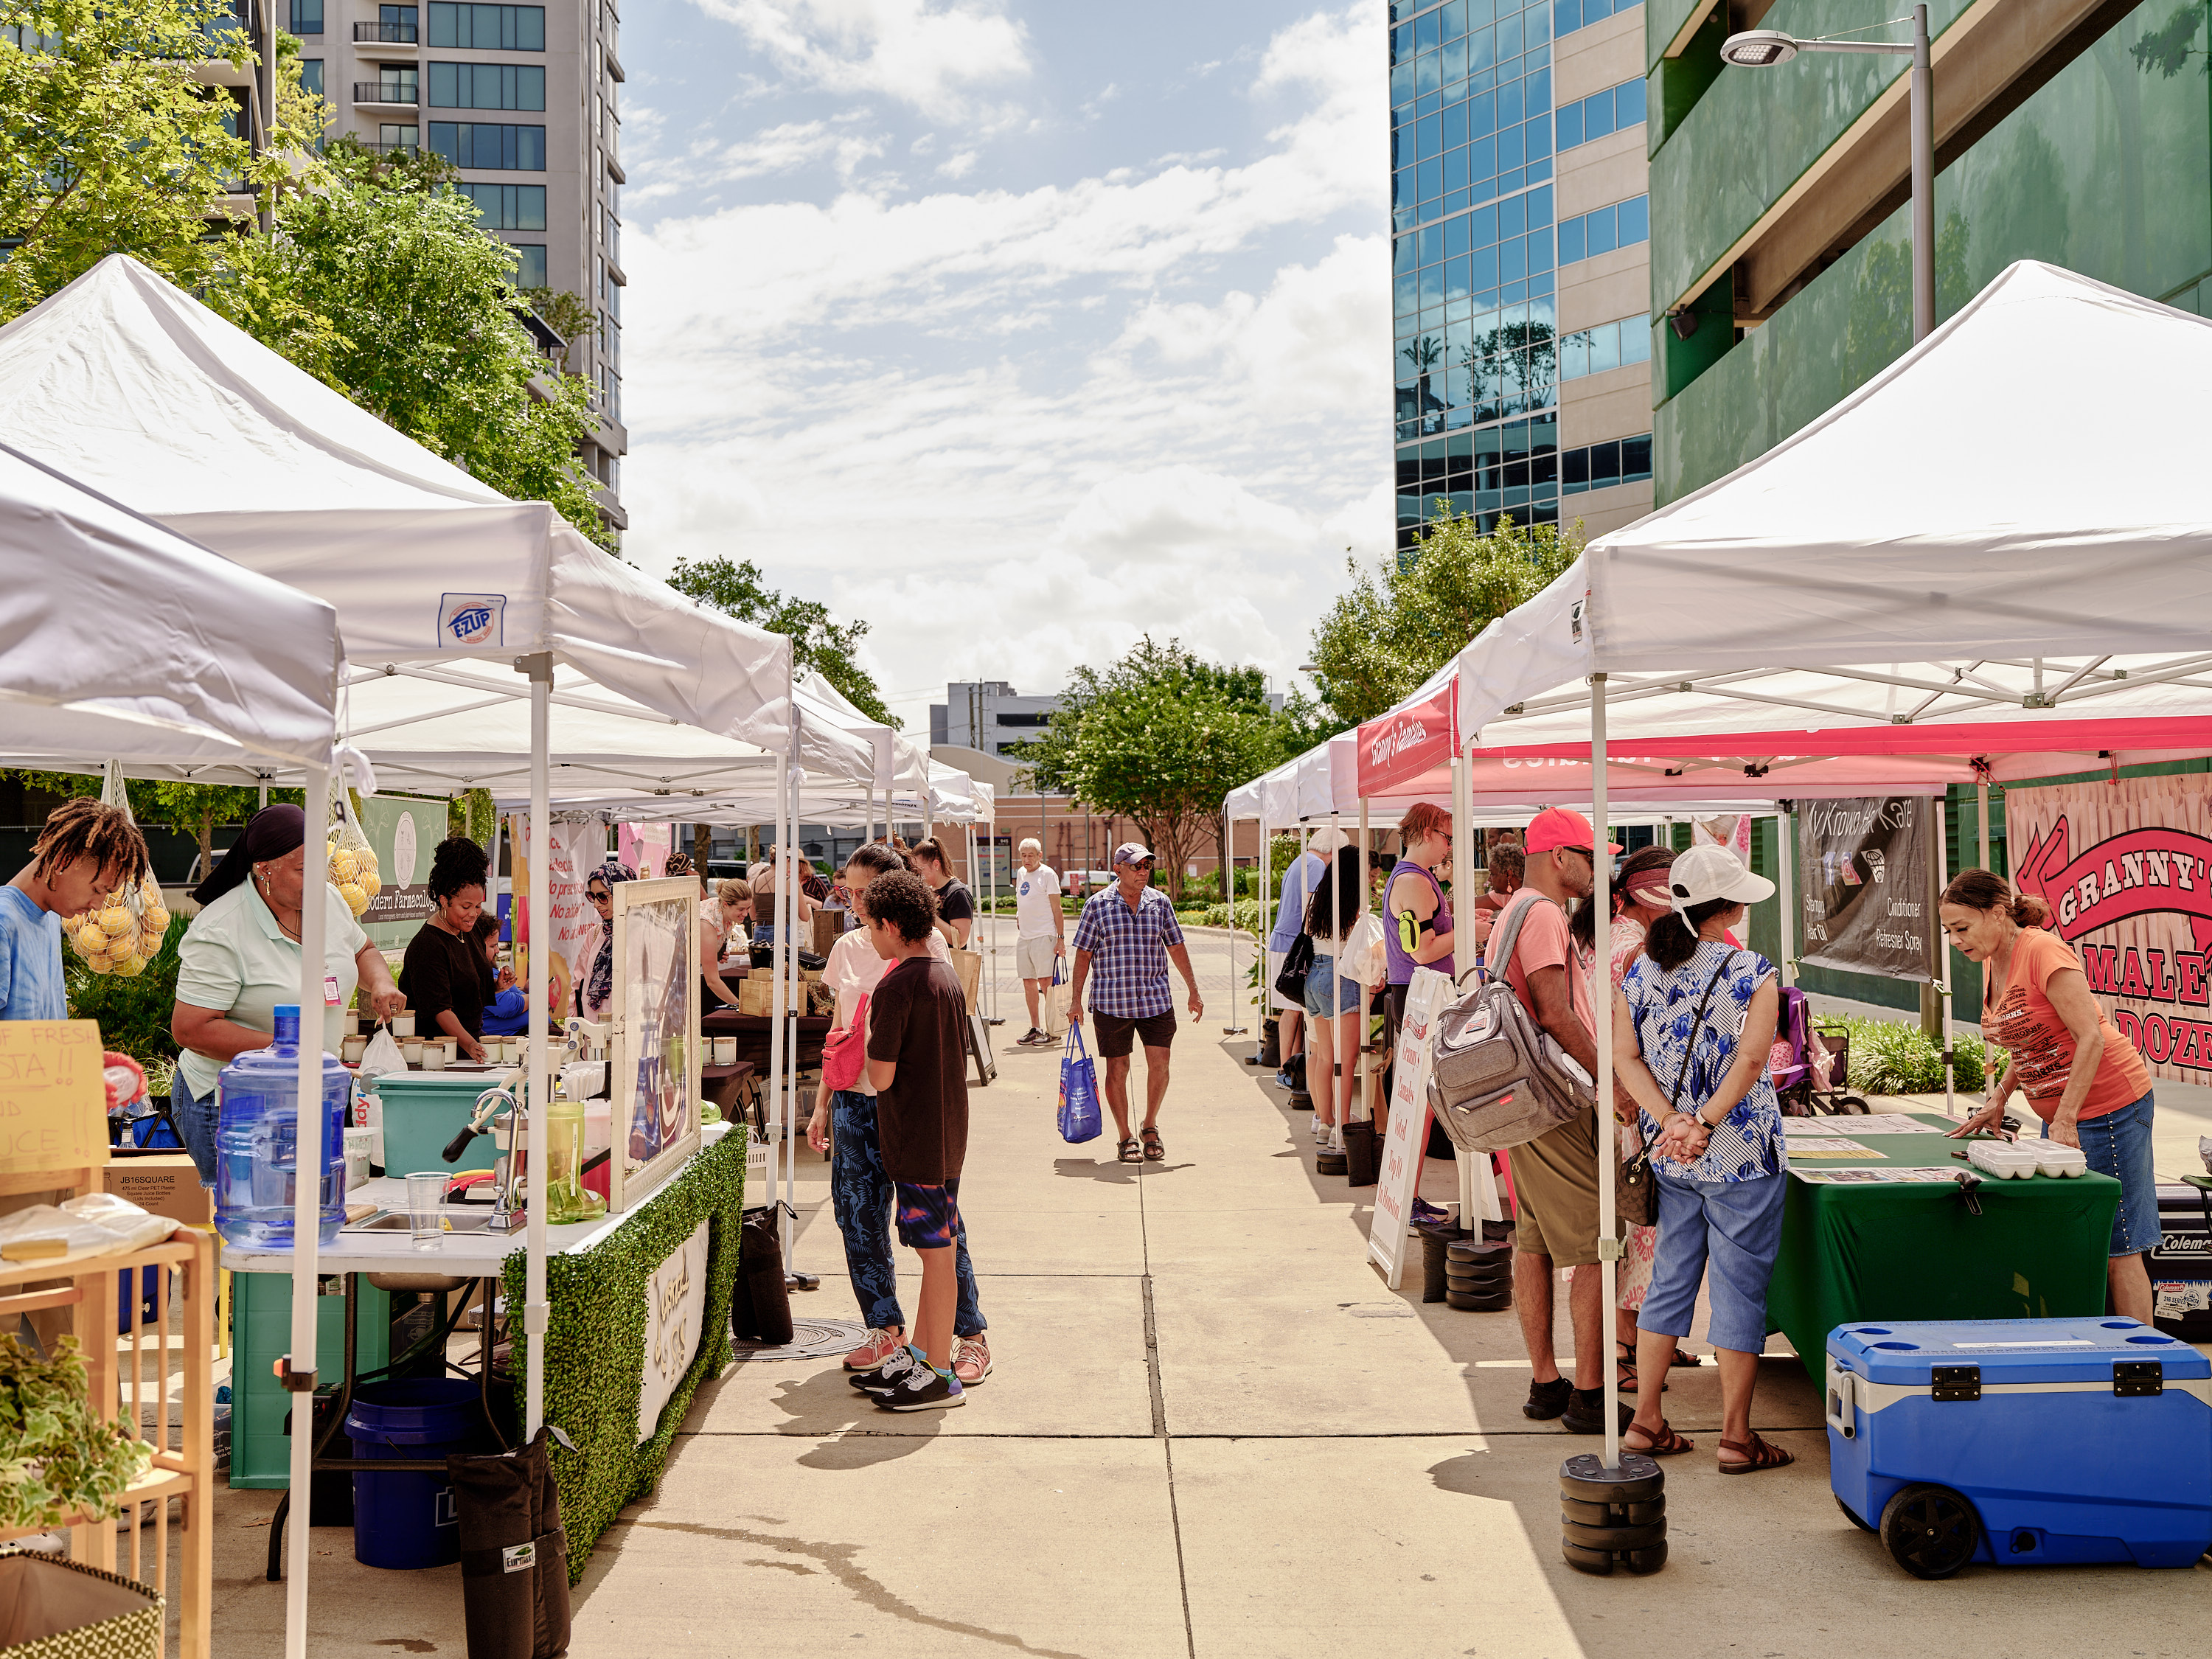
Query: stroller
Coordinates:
[1796,1083]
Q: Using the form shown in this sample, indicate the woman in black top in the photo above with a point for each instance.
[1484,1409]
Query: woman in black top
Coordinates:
[446,978]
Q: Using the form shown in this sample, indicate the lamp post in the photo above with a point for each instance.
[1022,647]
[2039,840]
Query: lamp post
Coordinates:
[1764,48]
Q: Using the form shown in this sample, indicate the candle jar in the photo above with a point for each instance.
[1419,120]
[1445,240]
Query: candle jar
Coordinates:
[434,1056]
[352,1047]
[403,1023]
[410,1050]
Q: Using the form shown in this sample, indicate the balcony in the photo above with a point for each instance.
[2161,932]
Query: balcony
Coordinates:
[386,92]
[384,34]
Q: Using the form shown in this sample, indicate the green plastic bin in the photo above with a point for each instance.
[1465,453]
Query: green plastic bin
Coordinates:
[261,1334]
[423,1112]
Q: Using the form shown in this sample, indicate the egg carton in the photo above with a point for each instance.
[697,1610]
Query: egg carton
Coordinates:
[2054,1158]
[2003,1160]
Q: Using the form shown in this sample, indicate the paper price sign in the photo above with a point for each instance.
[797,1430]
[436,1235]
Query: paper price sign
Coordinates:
[53,1103]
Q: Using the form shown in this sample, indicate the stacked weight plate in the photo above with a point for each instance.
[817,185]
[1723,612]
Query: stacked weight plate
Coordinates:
[1328,1161]
[1479,1275]
[1612,1517]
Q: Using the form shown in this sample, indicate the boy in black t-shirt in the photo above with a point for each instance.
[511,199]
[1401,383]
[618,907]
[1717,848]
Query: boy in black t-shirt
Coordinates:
[917,1020]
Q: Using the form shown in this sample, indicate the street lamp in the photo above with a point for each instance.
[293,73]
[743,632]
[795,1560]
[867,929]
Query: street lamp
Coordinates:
[1764,48]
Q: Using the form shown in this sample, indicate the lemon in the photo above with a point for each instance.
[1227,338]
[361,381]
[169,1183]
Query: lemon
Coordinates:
[91,937]
[356,900]
[100,962]
[344,866]
[130,967]
[369,883]
[155,922]
[116,921]
[368,859]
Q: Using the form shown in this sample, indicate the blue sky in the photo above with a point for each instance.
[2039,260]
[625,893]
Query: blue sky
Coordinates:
[1016,330]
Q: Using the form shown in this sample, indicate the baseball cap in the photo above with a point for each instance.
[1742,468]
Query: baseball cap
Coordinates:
[1130,851]
[1704,873]
[1561,826]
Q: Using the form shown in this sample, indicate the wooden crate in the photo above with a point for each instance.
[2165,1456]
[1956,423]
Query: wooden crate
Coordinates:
[184,1453]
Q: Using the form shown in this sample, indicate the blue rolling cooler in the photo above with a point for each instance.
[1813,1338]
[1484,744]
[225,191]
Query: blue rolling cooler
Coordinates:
[2018,1442]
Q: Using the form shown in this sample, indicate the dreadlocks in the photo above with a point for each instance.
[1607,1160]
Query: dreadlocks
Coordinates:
[84,827]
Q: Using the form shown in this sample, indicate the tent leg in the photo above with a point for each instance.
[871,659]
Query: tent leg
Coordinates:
[1785,863]
[781,954]
[1265,999]
[306,1214]
[1608,1139]
[534,1310]
[1942,947]
[1982,816]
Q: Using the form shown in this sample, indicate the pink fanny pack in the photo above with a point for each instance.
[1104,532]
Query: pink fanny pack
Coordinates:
[845,1050]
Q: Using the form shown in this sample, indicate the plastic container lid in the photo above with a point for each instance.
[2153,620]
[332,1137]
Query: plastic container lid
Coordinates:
[2054,1158]
[2001,1160]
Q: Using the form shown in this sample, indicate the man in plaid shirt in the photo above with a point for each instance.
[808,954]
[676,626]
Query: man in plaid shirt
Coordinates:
[1130,931]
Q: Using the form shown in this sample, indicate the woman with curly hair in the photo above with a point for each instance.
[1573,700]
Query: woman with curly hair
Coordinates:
[444,972]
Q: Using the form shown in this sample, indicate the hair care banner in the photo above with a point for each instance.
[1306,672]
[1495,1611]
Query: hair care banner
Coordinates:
[1865,880]
[575,933]
[2126,868]
[645,847]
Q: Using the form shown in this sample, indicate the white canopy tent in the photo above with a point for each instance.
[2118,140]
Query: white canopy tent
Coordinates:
[2004,603]
[130,382]
[121,639]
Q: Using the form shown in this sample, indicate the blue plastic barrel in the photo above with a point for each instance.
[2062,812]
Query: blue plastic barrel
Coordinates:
[407,1518]
[149,1287]
[256,1141]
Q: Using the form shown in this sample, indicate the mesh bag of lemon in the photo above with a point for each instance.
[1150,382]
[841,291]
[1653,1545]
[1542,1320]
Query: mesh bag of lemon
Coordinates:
[122,932]
[353,869]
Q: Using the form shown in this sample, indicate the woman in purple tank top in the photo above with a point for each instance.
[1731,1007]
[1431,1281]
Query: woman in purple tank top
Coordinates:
[1413,909]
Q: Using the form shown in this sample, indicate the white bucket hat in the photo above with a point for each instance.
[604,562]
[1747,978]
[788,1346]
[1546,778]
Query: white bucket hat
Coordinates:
[1706,873]
[1326,842]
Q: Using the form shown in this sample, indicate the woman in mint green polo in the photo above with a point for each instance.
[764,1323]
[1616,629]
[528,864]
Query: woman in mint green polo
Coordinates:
[239,958]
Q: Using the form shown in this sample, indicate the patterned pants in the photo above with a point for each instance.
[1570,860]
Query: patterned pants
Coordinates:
[861,1197]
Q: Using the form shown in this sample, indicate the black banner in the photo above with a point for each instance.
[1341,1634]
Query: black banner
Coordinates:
[1866,905]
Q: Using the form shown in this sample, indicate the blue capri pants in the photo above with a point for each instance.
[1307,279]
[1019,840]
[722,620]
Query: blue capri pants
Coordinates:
[1734,1227]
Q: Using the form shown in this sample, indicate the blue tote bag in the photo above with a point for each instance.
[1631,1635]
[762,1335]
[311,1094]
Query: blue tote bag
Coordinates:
[1078,1092]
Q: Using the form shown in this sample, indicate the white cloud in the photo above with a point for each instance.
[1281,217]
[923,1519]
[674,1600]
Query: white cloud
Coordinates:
[958,166]
[934,57]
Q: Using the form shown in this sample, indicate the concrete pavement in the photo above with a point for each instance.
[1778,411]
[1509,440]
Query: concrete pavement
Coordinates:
[1211,1432]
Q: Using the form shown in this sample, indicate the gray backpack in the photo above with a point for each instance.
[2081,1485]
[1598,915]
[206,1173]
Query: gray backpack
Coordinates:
[1497,1078]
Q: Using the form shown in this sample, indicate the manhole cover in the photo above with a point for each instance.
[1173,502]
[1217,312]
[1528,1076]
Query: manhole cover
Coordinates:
[811,1339]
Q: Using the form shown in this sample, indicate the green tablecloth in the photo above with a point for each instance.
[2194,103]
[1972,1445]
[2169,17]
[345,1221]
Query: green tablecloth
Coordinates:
[1905,1250]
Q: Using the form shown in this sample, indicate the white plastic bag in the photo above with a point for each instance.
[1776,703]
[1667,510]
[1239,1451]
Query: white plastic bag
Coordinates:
[1365,959]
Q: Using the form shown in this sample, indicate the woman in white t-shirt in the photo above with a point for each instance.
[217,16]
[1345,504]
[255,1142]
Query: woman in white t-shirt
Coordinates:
[860,1191]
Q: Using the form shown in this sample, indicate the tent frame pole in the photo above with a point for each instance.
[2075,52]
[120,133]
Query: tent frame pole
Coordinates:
[307,1211]
[1608,1139]
[535,1314]
[1941,946]
[1785,862]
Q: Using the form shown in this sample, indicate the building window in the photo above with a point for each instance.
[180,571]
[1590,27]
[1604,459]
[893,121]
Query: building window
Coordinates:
[531,273]
[1621,225]
[396,136]
[1475,317]
[508,207]
[1568,16]
[489,28]
[491,148]
[487,86]
[306,16]
[1609,345]
[311,76]
[1471,97]
[1601,466]
[1512,468]
[1600,113]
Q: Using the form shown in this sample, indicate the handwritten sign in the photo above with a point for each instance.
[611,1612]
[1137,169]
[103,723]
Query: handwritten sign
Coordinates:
[53,1104]
[1399,1179]
[675,1315]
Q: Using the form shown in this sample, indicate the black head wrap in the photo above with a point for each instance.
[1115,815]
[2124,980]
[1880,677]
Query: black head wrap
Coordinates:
[270,834]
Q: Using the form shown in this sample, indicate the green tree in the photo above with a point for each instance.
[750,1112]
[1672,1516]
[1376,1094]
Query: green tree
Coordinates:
[818,640]
[110,141]
[188,809]
[1407,617]
[423,329]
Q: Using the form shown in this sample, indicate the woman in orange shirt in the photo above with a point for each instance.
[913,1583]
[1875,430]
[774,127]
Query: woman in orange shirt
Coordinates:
[2082,1078]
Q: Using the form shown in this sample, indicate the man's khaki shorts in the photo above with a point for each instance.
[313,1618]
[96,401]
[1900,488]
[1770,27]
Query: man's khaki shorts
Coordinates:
[1555,1181]
[1033,956]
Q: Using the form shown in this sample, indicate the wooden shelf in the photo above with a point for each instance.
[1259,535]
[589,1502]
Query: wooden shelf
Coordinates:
[156,1483]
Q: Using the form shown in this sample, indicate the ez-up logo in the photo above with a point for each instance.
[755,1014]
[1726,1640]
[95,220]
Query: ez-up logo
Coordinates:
[465,620]
[519,1557]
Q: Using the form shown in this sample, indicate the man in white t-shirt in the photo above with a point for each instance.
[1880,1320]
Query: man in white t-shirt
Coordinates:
[1042,935]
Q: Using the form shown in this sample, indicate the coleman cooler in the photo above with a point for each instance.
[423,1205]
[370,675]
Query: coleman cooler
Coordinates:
[2016,1442]
[2181,1266]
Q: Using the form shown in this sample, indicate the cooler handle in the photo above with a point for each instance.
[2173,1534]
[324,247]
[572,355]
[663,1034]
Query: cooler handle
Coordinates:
[1843,1399]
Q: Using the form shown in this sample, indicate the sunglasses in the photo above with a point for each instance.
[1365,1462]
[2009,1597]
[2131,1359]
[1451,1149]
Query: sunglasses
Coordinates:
[1583,851]
[599,895]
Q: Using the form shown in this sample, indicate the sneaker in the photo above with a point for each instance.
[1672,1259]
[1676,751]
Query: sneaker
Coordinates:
[895,1366]
[1547,1399]
[875,1348]
[971,1360]
[1320,1130]
[1427,1214]
[1032,1038]
[923,1390]
[1585,1412]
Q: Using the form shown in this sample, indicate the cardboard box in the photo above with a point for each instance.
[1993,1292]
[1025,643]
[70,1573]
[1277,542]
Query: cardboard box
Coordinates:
[757,996]
[163,1184]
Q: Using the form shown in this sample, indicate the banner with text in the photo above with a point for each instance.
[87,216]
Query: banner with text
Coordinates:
[402,832]
[1865,877]
[1400,749]
[2126,868]
[576,928]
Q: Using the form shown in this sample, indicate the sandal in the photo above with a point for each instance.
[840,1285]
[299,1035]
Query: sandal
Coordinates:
[1155,1148]
[1128,1152]
[1625,1363]
[1665,1444]
[1757,1455]
[1685,1360]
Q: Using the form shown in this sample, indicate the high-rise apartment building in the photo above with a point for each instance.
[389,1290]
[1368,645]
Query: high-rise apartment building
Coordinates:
[525,101]
[1520,226]
[987,715]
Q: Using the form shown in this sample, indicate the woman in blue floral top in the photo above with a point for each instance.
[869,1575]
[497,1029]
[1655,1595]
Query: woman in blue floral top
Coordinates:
[1692,1023]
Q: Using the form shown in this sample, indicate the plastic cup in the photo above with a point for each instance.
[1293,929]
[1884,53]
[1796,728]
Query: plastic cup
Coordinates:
[424,1192]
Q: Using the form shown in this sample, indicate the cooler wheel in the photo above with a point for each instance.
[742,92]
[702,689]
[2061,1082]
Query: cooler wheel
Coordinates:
[1930,1531]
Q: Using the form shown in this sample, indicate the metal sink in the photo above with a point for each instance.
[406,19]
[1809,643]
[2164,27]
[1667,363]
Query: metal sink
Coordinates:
[398,1221]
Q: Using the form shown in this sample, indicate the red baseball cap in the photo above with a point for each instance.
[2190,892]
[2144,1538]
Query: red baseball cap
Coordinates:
[1560,826]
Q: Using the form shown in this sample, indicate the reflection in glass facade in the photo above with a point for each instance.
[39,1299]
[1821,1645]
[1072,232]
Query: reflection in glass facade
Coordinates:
[1472,260]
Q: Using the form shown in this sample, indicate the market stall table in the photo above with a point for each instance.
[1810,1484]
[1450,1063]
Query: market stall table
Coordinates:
[752,1032]
[672,1256]
[1867,1248]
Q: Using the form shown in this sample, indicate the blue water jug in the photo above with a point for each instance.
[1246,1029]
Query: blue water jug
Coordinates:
[256,1140]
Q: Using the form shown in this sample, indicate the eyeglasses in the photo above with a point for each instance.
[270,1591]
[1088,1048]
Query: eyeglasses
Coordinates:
[1584,852]
[599,895]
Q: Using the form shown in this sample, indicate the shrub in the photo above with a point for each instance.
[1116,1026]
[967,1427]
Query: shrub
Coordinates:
[133,1013]
[1892,1057]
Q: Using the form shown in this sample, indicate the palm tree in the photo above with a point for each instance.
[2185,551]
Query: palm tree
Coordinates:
[1423,354]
